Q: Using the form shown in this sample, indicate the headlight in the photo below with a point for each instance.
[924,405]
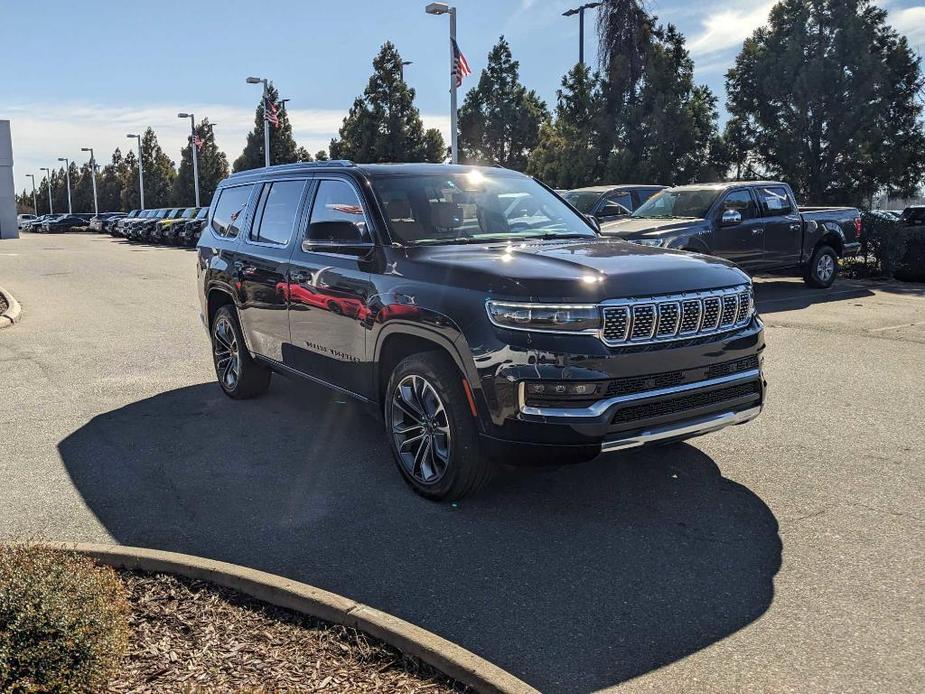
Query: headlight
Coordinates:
[648,242]
[545,317]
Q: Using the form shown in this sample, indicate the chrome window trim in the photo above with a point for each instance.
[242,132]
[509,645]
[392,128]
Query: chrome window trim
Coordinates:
[601,406]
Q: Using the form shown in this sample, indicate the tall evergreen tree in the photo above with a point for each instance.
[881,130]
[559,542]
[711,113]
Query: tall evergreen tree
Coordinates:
[283,149]
[213,167]
[825,97]
[384,125]
[131,197]
[500,120]
[83,190]
[568,154]
[159,172]
[109,184]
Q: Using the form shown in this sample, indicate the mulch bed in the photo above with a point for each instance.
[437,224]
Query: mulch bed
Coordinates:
[191,636]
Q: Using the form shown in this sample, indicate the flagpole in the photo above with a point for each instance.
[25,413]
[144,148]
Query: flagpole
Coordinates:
[454,144]
[266,126]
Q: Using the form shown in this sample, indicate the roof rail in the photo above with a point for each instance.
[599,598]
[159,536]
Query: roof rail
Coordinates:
[297,166]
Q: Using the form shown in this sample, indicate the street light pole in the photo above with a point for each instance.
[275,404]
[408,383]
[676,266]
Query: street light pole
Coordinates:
[401,68]
[51,208]
[141,172]
[444,8]
[67,177]
[266,123]
[580,11]
[192,142]
[35,204]
[96,207]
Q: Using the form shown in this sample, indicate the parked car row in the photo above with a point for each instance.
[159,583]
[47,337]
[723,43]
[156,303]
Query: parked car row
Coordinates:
[176,226]
[51,223]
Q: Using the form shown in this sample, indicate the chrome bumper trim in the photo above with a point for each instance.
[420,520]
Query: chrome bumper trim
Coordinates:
[688,429]
[601,406]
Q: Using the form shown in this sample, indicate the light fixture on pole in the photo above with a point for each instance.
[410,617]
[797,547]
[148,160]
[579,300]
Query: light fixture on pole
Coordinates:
[35,204]
[96,207]
[141,172]
[194,148]
[266,123]
[444,8]
[580,11]
[51,208]
[401,68]
[67,177]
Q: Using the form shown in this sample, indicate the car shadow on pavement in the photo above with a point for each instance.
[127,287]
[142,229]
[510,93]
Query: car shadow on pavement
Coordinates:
[572,578]
[777,296]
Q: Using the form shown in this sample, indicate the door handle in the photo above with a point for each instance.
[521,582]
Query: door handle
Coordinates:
[794,226]
[298,277]
[758,230]
[246,270]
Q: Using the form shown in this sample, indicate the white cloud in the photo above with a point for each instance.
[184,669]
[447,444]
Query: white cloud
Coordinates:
[911,22]
[725,28]
[42,132]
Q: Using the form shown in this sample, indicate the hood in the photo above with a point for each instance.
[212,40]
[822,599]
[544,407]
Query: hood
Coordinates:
[639,226]
[580,270]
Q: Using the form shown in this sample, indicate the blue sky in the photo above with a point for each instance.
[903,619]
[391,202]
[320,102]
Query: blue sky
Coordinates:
[80,74]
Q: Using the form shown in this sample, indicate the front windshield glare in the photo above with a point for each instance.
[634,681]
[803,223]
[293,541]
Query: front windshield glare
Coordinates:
[473,207]
[677,203]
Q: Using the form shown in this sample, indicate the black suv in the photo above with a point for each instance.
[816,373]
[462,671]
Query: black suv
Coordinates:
[478,336]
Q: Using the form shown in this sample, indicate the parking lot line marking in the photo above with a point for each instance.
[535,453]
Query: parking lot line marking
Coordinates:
[894,327]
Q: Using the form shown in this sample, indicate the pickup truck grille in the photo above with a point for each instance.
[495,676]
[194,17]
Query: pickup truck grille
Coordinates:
[657,319]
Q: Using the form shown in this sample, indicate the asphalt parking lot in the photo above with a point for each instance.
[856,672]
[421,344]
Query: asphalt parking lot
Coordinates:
[785,555]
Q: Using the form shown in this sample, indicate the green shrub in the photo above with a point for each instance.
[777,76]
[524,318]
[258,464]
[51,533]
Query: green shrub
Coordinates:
[63,621]
[882,243]
[912,266]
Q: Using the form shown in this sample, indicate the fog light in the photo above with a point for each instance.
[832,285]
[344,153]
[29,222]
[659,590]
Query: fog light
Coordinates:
[559,390]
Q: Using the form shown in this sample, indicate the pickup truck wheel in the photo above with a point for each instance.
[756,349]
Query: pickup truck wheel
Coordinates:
[432,433]
[823,268]
[239,375]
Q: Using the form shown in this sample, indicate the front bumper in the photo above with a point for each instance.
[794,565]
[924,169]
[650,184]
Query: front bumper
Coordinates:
[659,393]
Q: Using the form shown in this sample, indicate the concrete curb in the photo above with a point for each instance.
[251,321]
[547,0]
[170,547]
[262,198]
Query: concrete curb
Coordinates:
[450,659]
[13,311]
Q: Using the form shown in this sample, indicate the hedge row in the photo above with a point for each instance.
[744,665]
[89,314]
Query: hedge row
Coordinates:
[890,249]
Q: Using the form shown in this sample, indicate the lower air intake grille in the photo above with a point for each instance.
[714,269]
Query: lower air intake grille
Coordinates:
[663,408]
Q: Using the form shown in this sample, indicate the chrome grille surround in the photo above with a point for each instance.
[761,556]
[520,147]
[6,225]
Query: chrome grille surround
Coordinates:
[675,317]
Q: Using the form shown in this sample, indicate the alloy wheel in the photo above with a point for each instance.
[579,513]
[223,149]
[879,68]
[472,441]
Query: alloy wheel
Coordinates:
[227,358]
[420,429]
[825,267]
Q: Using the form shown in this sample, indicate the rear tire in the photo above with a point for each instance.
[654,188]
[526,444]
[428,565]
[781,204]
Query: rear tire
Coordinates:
[432,433]
[240,376]
[823,268]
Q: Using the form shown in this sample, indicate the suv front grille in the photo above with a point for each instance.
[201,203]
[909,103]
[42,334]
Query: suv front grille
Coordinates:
[663,408]
[642,321]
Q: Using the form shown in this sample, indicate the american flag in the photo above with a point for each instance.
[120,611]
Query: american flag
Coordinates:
[461,67]
[197,142]
[272,112]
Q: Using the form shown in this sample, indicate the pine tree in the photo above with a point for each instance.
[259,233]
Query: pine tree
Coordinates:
[283,149]
[499,122]
[568,152]
[825,97]
[109,184]
[83,189]
[212,164]
[159,175]
[383,125]
[131,197]
[321,155]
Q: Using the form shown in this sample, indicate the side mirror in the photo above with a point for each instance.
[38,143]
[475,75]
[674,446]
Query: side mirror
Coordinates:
[594,222]
[731,218]
[335,235]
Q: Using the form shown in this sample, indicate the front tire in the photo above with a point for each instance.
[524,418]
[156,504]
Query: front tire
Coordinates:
[432,433]
[240,376]
[822,269]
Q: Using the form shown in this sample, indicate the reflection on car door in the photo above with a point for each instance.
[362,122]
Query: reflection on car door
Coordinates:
[329,291]
[263,265]
[741,243]
[783,227]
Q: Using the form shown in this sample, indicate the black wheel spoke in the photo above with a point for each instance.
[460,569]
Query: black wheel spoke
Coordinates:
[420,429]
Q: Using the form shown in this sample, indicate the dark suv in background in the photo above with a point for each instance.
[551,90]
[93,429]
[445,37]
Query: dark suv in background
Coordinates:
[480,330]
[607,203]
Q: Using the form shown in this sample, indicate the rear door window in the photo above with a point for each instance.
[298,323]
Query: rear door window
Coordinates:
[230,209]
[774,201]
[277,212]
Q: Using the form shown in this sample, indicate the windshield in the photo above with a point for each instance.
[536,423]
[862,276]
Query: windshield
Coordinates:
[677,203]
[473,207]
[581,200]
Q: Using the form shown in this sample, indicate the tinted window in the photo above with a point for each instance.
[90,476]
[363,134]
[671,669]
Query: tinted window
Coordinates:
[623,199]
[686,202]
[741,201]
[644,194]
[774,201]
[229,209]
[279,205]
[583,201]
[337,201]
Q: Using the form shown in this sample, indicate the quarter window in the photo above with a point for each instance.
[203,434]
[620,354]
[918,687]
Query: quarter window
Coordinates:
[279,207]
[741,201]
[775,201]
[230,209]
